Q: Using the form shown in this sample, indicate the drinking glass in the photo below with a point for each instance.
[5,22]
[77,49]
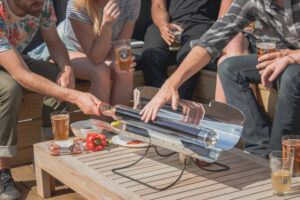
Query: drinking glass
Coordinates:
[60,125]
[265,46]
[281,165]
[291,143]
[123,54]
[177,30]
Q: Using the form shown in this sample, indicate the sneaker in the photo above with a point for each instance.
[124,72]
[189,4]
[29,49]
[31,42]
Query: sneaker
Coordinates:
[8,190]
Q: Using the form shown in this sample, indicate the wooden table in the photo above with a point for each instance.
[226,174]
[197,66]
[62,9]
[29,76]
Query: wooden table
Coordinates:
[90,175]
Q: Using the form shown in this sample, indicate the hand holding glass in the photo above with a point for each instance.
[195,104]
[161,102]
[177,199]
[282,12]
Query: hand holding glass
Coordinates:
[123,54]
[176,30]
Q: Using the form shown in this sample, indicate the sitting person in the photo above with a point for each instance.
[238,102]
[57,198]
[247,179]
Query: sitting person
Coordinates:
[243,44]
[19,22]
[196,17]
[236,73]
[237,46]
[89,37]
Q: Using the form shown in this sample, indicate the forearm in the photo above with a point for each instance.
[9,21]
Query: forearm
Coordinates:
[101,45]
[59,54]
[294,54]
[41,85]
[195,61]
[160,15]
[127,30]
[17,68]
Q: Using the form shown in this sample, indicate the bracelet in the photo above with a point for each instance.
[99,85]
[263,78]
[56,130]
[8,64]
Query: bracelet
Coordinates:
[294,60]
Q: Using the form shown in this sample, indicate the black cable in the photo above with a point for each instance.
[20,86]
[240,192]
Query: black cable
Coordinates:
[145,184]
[163,155]
[224,167]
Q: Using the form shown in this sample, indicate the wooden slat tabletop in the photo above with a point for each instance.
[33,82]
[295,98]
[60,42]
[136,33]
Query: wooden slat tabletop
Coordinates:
[247,178]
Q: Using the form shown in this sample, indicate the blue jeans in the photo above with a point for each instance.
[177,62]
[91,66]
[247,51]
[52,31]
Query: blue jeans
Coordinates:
[236,73]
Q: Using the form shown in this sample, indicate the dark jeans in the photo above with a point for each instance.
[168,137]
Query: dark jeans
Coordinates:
[157,57]
[236,73]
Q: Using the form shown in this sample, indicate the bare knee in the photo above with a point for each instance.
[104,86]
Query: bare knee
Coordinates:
[100,72]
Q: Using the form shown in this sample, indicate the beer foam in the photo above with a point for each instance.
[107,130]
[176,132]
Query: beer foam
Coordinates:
[266,45]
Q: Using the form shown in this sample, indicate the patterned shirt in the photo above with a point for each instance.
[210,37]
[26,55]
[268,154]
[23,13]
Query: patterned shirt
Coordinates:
[284,22]
[17,32]
[129,12]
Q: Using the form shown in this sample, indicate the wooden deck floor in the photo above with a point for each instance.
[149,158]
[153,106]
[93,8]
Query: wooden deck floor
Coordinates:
[25,181]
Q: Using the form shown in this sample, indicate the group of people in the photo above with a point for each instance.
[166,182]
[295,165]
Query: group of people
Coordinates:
[214,33]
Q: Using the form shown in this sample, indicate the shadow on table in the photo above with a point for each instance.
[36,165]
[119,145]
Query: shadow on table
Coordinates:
[242,173]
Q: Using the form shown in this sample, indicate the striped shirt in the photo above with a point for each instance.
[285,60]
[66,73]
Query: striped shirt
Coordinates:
[284,22]
[129,12]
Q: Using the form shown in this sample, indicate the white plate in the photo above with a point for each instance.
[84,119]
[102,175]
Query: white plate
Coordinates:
[122,141]
[82,128]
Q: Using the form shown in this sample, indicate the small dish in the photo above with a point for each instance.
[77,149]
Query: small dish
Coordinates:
[125,142]
[82,128]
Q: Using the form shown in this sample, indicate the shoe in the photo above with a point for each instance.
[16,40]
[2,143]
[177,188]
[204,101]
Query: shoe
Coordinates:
[8,190]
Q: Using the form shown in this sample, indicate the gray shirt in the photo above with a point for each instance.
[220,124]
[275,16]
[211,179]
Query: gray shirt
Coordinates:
[129,12]
[284,22]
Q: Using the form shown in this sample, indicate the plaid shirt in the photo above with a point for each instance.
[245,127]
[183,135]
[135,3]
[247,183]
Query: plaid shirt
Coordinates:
[285,23]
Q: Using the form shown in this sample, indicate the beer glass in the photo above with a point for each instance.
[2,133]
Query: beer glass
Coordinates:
[60,125]
[265,46]
[281,165]
[291,143]
[176,30]
[123,54]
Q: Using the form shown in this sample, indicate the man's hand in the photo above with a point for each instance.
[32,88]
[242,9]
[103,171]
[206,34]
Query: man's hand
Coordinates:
[266,60]
[272,70]
[88,103]
[167,93]
[111,12]
[117,69]
[167,34]
[66,78]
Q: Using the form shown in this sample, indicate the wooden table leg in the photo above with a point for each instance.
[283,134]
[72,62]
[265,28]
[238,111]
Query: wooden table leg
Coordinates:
[44,182]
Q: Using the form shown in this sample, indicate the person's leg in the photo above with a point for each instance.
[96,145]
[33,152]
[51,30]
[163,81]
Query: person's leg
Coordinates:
[11,94]
[237,47]
[235,74]
[156,58]
[97,74]
[287,116]
[219,94]
[122,88]
[50,104]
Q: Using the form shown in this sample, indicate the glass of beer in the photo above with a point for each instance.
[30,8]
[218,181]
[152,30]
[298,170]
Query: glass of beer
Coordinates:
[176,30]
[123,54]
[265,46]
[60,125]
[281,165]
[291,143]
